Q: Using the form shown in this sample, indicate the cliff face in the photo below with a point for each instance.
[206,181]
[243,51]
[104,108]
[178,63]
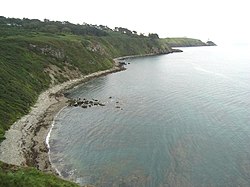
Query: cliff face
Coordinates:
[186,42]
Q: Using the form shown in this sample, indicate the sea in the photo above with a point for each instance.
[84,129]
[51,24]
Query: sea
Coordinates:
[175,120]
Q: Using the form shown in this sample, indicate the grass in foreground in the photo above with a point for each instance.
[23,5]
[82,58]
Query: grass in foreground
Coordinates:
[13,176]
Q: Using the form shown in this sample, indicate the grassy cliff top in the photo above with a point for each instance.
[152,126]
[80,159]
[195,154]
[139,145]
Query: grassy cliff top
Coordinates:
[186,42]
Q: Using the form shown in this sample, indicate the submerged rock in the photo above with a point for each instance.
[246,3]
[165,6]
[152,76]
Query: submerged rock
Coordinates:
[84,106]
[84,103]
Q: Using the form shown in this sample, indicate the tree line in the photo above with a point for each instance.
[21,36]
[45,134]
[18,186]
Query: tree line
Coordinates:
[65,27]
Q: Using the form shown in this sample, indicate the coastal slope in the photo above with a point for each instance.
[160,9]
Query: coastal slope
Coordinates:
[37,65]
[32,61]
[12,176]
[187,42]
[38,61]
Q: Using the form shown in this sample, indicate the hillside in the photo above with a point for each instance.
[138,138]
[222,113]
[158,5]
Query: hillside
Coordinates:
[36,55]
[186,42]
[32,61]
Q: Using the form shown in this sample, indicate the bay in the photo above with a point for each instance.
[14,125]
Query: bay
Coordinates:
[170,120]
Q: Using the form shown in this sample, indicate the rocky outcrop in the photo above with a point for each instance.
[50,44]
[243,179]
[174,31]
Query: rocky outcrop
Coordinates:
[96,47]
[48,50]
[85,103]
[210,43]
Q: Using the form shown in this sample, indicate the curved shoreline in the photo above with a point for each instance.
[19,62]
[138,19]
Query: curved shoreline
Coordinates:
[25,143]
[26,140]
[47,142]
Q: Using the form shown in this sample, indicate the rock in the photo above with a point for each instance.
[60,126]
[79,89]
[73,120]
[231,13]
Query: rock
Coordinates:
[210,43]
[84,103]
[122,63]
[84,106]
[71,102]
[80,102]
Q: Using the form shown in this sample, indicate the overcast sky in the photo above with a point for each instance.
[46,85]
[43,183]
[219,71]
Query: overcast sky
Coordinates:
[218,20]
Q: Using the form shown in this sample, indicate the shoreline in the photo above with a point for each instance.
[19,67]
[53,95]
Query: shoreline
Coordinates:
[47,142]
[27,140]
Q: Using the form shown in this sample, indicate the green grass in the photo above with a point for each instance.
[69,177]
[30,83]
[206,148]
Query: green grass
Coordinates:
[26,54]
[24,57]
[13,176]
[183,42]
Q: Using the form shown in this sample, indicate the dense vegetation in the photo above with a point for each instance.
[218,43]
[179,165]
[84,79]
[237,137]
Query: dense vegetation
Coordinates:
[65,27]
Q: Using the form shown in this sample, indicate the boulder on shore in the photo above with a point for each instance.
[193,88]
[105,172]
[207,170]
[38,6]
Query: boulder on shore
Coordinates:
[84,103]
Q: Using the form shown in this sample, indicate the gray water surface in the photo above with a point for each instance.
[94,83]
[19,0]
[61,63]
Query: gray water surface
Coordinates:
[173,120]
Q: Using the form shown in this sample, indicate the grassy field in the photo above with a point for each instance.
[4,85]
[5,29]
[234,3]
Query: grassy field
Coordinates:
[13,176]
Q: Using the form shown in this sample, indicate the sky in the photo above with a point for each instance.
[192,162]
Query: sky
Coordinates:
[222,21]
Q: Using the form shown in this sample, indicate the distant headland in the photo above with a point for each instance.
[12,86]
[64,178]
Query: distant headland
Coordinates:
[187,42]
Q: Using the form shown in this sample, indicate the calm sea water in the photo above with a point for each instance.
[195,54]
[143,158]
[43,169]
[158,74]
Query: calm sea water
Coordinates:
[173,120]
